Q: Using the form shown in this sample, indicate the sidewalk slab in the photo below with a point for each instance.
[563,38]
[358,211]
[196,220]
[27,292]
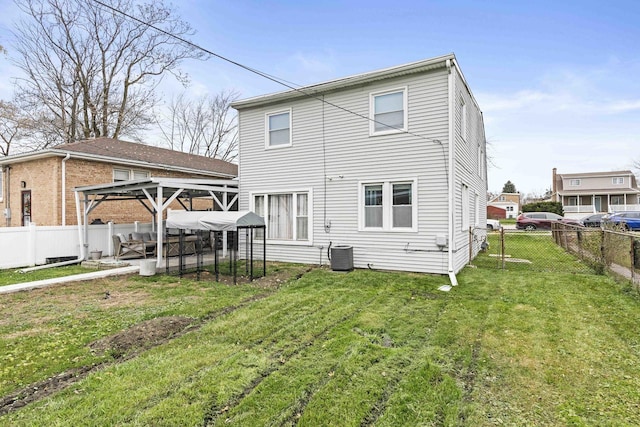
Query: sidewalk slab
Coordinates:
[100,274]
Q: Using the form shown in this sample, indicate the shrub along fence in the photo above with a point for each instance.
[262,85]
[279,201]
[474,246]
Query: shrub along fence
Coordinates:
[565,248]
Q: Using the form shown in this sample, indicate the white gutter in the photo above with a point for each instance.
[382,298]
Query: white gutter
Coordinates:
[452,275]
[64,189]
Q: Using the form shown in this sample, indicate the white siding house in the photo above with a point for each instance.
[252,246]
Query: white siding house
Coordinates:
[390,162]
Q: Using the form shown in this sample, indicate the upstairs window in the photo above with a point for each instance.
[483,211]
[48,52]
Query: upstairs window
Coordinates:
[617,180]
[388,111]
[575,182]
[278,127]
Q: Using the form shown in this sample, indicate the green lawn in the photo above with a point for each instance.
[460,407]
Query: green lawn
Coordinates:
[364,348]
[13,276]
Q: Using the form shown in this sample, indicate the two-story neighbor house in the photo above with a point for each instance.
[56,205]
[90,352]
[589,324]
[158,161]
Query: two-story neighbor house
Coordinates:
[38,187]
[390,162]
[595,192]
[510,202]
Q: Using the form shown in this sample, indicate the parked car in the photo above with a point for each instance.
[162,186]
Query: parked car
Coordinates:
[623,220]
[493,224]
[541,220]
[594,220]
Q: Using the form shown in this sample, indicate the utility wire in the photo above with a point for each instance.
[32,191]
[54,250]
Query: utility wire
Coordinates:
[274,79]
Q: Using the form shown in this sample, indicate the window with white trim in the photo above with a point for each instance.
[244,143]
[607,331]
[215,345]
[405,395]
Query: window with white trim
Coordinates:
[389,111]
[575,182]
[617,200]
[388,206]
[278,126]
[129,174]
[286,215]
[617,180]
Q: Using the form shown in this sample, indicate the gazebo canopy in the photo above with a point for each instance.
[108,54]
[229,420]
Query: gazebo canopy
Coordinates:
[213,220]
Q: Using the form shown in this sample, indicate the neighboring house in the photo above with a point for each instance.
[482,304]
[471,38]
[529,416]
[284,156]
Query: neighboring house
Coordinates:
[39,187]
[494,212]
[595,192]
[510,202]
[390,162]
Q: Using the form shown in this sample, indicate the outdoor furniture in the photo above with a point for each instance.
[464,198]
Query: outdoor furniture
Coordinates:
[171,246]
[150,243]
[127,248]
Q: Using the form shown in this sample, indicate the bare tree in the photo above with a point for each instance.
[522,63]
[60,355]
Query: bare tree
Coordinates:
[90,71]
[12,126]
[205,126]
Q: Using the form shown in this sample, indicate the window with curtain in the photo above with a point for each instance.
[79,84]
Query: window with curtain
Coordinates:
[389,111]
[279,129]
[286,215]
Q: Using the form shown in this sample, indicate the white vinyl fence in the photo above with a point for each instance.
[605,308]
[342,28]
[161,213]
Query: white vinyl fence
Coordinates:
[33,245]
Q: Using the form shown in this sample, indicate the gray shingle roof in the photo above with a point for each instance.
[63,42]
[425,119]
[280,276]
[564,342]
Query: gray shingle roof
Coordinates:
[155,156]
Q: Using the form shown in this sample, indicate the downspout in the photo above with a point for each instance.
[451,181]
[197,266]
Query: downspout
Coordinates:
[64,189]
[451,186]
[7,194]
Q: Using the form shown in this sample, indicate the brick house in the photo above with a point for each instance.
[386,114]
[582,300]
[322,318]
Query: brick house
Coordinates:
[39,187]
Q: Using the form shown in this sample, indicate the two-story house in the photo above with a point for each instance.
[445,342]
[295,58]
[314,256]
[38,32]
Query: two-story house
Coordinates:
[390,162]
[38,187]
[510,202]
[595,192]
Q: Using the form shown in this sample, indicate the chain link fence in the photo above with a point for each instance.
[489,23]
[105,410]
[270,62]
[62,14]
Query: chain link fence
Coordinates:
[565,248]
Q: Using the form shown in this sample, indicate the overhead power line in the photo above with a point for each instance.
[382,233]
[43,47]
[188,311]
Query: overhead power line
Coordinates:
[267,76]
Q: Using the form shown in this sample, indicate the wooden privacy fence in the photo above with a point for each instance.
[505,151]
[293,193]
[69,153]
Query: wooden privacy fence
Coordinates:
[36,245]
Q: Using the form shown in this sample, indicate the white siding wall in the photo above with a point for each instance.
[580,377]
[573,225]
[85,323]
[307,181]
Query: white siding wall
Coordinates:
[349,157]
[469,170]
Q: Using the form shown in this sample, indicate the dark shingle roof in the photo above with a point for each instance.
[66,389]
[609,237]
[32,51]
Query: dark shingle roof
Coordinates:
[155,156]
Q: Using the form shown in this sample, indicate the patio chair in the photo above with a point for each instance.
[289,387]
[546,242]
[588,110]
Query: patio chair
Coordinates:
[150,244]
[124,247]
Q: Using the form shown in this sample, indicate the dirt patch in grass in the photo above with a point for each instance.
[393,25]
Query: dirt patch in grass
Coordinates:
[131,342]
[142,336]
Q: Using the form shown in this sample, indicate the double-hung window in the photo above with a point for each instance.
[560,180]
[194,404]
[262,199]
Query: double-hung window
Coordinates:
[616,180]
[388,111]
[278,126]
[286,215]
[388,206]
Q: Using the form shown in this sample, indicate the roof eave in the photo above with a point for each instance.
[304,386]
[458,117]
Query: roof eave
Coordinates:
[53,152]
[345,82]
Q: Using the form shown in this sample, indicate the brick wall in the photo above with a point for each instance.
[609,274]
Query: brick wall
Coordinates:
[43,178]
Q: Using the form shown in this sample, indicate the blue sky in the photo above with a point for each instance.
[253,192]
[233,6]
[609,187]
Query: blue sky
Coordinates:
[557,81]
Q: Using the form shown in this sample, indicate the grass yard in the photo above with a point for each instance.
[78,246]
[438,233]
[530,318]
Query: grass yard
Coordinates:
[324,348]
[13,276]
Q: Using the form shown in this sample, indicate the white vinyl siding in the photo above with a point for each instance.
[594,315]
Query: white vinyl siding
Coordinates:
[463,119]
[286,215]
[388,206]
[333,156]
[465,208]
[389,111]
[278,129]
